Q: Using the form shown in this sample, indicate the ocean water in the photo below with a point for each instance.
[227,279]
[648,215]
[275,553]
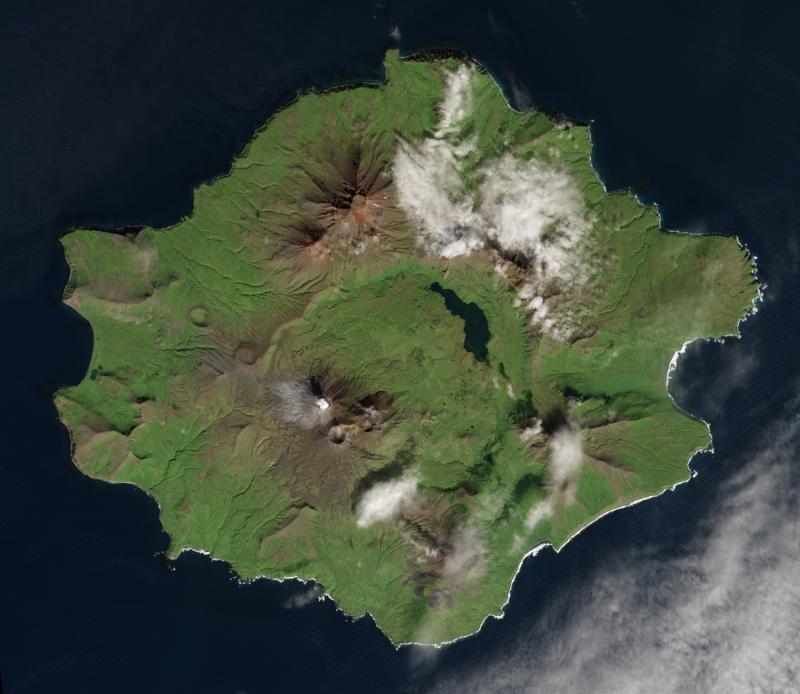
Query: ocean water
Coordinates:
[111,115]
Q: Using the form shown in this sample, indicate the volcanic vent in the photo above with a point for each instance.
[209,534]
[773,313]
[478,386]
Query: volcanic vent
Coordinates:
[332,430]
[346,207]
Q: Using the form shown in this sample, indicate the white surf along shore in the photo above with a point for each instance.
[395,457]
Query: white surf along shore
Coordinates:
[453,225]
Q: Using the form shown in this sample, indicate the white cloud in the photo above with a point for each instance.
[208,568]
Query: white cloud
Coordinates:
[525,206]
[466,559]
[531,432]
[722,615]
[304,598]
[539,512]
[454,106]
[431,191]
[385,500]
[536,209]
[299,405]
[566,454]
[429,184]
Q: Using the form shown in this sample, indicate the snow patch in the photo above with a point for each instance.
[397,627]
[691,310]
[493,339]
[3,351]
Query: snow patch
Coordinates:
[299,405]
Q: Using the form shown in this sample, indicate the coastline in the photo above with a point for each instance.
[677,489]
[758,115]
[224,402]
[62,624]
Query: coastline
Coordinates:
[755,302]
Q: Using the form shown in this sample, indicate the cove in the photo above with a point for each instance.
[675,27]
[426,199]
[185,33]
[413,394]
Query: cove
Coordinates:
[476,327]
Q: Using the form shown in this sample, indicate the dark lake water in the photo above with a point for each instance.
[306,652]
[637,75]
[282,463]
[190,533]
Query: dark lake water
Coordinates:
[112,113]
[476,327]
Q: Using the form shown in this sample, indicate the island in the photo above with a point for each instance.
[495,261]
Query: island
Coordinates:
[405,341]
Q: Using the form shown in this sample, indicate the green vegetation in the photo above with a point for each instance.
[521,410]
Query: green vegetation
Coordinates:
[278,373]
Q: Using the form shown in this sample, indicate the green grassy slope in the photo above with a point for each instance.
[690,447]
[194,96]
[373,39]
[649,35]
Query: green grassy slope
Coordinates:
[276,362]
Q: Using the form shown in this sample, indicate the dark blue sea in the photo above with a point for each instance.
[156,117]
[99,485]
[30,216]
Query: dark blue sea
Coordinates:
[111,113]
